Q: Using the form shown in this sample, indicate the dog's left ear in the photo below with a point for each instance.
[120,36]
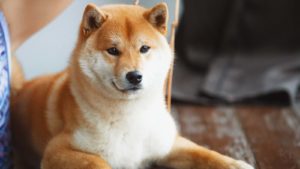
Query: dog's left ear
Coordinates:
[158,17]
[92,19]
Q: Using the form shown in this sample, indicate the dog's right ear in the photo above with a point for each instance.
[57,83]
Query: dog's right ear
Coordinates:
[92,19]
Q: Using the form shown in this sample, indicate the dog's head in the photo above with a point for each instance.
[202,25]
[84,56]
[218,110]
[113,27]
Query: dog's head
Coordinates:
[122,49]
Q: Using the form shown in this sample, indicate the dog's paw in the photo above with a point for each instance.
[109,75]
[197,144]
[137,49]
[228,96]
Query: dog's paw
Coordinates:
[241,165]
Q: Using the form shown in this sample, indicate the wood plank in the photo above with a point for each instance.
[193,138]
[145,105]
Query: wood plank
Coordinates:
[274,136]
[217,129]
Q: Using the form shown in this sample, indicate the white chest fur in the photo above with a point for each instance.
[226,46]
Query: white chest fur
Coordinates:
[131,137]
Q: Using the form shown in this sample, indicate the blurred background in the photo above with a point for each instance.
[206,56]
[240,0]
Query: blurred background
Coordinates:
[239,51]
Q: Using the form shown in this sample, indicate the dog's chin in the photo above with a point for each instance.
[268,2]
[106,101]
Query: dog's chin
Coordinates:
[129,92]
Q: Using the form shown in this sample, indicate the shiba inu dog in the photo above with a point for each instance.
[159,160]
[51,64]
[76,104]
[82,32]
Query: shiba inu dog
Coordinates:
[107,109]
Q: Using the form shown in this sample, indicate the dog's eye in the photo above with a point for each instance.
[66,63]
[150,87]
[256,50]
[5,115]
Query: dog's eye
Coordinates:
[113,51]
[144,49]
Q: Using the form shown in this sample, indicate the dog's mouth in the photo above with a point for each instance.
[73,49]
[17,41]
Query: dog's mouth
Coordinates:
[127,90]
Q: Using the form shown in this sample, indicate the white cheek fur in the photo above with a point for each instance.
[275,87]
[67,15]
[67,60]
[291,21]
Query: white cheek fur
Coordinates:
[95,65]
[156,67]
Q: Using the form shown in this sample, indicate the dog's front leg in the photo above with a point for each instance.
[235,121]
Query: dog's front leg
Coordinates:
[60,155]
[188,155]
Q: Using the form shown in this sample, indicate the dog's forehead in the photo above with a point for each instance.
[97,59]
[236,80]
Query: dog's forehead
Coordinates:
[125,17]
[123,9]
[119,11]
[125,22]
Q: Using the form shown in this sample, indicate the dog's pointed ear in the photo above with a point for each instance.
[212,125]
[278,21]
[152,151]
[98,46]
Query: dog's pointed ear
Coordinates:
[92,19]
[158,17]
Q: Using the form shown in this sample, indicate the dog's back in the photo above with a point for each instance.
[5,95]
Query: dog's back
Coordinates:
[29,125]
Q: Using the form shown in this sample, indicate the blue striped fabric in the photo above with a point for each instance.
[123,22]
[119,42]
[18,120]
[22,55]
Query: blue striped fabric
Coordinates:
[5,151]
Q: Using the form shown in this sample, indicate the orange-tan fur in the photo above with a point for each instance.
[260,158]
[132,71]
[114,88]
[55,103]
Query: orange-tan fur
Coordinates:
[53,114]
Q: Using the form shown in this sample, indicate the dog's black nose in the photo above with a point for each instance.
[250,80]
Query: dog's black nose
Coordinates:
[134,77]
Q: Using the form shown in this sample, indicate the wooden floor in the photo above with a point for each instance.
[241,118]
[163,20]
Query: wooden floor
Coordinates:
[266,137]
